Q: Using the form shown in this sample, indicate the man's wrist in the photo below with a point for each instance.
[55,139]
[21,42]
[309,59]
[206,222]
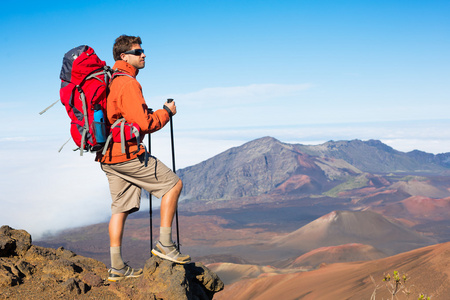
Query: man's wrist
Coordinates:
[168,110]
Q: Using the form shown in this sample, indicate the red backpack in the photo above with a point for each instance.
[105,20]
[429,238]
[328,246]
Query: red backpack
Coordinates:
[84,87]
[85,80]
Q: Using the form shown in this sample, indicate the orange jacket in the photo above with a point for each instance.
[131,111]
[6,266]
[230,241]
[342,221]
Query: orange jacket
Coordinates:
[125,100]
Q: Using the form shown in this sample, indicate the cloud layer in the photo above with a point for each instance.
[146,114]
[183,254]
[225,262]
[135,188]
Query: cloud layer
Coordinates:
[46,191]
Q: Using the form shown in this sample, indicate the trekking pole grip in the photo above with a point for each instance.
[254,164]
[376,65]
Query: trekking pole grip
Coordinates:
[170,100]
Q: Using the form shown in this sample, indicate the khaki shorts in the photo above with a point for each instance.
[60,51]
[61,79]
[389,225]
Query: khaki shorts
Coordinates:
[127,178]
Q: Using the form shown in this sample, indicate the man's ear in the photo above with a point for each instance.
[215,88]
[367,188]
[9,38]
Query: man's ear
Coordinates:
[123,56]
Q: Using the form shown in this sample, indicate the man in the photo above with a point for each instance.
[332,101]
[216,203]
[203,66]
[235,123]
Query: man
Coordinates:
[127,172]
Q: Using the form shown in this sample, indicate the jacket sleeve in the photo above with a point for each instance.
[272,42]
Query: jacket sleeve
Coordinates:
[135,110]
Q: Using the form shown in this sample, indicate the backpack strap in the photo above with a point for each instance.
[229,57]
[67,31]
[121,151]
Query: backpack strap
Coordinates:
[134,131]
[109,138]
[107,74]
[65,144]
[105,70]
[116,73]
[86,123]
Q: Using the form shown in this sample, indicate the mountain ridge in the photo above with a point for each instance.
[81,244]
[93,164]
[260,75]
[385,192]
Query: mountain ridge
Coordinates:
[264,165]
[344,227]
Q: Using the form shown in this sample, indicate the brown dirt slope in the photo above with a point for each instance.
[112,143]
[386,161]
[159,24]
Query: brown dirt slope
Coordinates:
[334,254]
[428,269]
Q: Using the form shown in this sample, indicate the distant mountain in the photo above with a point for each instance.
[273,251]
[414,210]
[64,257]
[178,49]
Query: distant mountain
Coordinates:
[344,227]
[268,166]
[251,169]
[375,157]
[259,167]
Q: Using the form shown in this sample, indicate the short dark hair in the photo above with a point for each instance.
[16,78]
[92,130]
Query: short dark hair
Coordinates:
[124,43]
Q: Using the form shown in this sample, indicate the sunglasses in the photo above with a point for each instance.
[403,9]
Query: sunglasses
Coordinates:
[135,52]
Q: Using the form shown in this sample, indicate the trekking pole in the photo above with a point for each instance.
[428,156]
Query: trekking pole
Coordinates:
[174,170]
[150,197]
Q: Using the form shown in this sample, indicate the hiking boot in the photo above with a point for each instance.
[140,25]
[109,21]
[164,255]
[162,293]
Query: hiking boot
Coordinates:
[170,253]
[119,274]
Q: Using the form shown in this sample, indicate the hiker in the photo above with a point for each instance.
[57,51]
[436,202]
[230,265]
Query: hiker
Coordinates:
[128,172]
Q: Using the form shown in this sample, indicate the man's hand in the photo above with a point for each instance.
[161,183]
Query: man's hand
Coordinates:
[171,105]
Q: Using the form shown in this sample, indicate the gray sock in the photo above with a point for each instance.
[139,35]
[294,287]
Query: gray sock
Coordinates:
[116,257]
[165,236]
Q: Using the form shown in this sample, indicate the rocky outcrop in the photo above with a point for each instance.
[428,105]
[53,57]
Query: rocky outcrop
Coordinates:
[14,242]
[32,272]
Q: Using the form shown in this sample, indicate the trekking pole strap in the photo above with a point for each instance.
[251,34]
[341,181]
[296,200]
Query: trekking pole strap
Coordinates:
[168,110]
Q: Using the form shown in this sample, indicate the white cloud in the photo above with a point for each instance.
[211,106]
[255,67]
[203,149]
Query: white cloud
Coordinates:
[43,190]
[46,191]
[239,95]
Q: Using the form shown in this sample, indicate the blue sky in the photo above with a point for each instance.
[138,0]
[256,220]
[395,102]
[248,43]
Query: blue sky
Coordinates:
[300,71]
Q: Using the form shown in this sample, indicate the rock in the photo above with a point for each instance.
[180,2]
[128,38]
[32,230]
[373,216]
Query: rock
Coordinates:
[92,279]
[7,278]
[40,273]
[16,272]
[13,242]
[7,246]
[61,269]
[75,286]
[168,280]
[209,279]
[25,268]
[40,253]
[61,252]
[89,264]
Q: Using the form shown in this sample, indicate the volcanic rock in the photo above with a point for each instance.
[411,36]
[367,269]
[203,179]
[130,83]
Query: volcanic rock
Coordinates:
[13,242]
[33,272]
